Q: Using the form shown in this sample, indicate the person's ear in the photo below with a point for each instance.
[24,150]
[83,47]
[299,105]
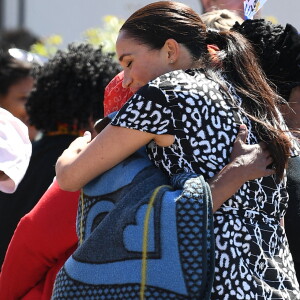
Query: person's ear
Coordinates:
[213,52]
[212,49]
[171,48]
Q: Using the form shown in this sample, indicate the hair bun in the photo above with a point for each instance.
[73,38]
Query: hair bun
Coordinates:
[278,49]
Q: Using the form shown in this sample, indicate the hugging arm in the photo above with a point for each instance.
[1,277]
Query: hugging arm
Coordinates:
[86,159]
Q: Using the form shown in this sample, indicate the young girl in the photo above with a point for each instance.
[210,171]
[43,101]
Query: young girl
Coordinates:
[193,88]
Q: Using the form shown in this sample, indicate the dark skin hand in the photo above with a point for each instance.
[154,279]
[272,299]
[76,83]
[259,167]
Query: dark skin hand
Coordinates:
[247,162]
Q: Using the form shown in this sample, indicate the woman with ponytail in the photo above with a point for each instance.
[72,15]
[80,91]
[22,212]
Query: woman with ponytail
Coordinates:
[193,88]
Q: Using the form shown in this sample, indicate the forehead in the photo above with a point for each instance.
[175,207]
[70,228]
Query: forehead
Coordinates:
[126,45]
[23,85]
[123,39]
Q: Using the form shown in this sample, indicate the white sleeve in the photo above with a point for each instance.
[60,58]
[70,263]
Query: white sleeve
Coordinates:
[15,150]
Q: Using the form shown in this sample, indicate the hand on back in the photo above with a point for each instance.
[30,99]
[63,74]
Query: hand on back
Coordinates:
[255,159]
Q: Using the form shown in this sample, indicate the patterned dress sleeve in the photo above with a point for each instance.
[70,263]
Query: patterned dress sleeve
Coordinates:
[148,110]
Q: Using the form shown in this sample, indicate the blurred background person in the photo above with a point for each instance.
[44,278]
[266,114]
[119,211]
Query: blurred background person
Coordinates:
[278,48]
[17,38]
[46,236]
[16,84]
[235,5]
[65,102]
[221,19]
[16,81]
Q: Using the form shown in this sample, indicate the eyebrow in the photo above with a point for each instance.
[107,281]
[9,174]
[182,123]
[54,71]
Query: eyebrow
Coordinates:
[123,55]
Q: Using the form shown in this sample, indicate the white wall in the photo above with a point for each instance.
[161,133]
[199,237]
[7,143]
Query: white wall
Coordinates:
[70,18]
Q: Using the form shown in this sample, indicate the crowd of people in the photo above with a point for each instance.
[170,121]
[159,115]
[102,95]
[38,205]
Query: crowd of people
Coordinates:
[170,174]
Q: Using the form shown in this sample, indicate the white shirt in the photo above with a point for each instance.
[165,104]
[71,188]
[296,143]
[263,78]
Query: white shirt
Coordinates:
[15,150]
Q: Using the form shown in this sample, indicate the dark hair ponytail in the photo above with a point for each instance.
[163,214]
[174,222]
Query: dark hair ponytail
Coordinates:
[242,68]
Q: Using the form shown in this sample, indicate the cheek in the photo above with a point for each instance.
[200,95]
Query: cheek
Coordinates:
[153,70]
[17,108]
[143,74]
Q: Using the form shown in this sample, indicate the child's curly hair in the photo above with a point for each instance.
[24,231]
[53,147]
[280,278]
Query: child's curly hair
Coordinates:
[69,88]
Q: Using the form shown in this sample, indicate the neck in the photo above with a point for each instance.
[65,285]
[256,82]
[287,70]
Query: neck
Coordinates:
[185,60]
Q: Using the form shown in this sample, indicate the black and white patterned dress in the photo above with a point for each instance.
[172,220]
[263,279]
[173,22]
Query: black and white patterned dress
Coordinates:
[253,260]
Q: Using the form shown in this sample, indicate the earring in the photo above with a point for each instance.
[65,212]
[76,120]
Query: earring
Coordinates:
[171,61]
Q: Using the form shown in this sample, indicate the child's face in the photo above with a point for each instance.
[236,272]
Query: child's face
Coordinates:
[15,99]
